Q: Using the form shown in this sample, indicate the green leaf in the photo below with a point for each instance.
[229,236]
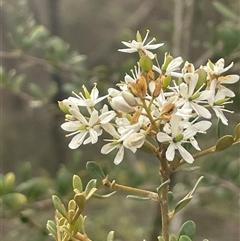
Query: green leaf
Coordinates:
[160,238]
[91,188]
[224,143]
[52,229]
[138,198]
[237,132]
[170,201]
[110,236]
[173,237]
[95,170]
[59,206]
[80,199]
[196,185]
[188,229]
[184,238]
[104,196]
[160,188]
[77,183]
[181,204]
[77,225]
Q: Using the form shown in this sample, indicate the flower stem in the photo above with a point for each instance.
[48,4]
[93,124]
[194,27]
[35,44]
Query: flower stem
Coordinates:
[137,191]
[165,172]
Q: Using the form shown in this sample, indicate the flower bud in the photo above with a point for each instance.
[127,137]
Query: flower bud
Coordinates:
[168,58]
[202,77]
[138,37]
[66,104]
[146,63]
[129,98]
[136,140]
[118,103]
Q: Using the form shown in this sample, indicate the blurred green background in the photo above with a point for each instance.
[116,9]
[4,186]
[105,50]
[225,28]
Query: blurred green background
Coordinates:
[51,47]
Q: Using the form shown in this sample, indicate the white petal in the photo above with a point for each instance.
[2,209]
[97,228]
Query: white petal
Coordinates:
[119,156]
[202,111]
[77,140]
[108,148]
[185,154]
[70,125]
[162,137]
[170,153]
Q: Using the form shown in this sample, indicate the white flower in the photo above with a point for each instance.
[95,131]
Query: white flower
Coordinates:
[140,46]
[82,128]
[191,98]
[176,137]
[171,68]
[112,146]
[217,68]
[90,99]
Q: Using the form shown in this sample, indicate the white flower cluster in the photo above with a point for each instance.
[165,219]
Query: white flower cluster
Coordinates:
[158,106]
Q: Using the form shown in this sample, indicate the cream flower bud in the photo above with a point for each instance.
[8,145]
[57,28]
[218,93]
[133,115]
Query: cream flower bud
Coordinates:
[67,104]
[121,105]
[136,140]
[129,98]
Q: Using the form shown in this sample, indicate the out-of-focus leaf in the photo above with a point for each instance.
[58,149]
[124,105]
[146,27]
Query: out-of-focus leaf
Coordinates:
[110,236]
[14,200]
[224,10]
[36,90]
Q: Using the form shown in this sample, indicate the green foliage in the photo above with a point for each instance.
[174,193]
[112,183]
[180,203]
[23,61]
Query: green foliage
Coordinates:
[188,229]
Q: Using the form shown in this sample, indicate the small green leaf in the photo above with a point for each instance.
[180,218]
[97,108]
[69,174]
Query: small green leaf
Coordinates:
[72,205]
[184,238]
[160,188]
[237,132]
[77,183]
[188,229]
[104,196]
[160,238]
[110,236]
[59,206]
[181,204]
[170,201]
[138,198]
[173,237]
[224,142]
[80,199]
[95,170]
[90,188]
[77,225]
[52,229]
[196,185]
